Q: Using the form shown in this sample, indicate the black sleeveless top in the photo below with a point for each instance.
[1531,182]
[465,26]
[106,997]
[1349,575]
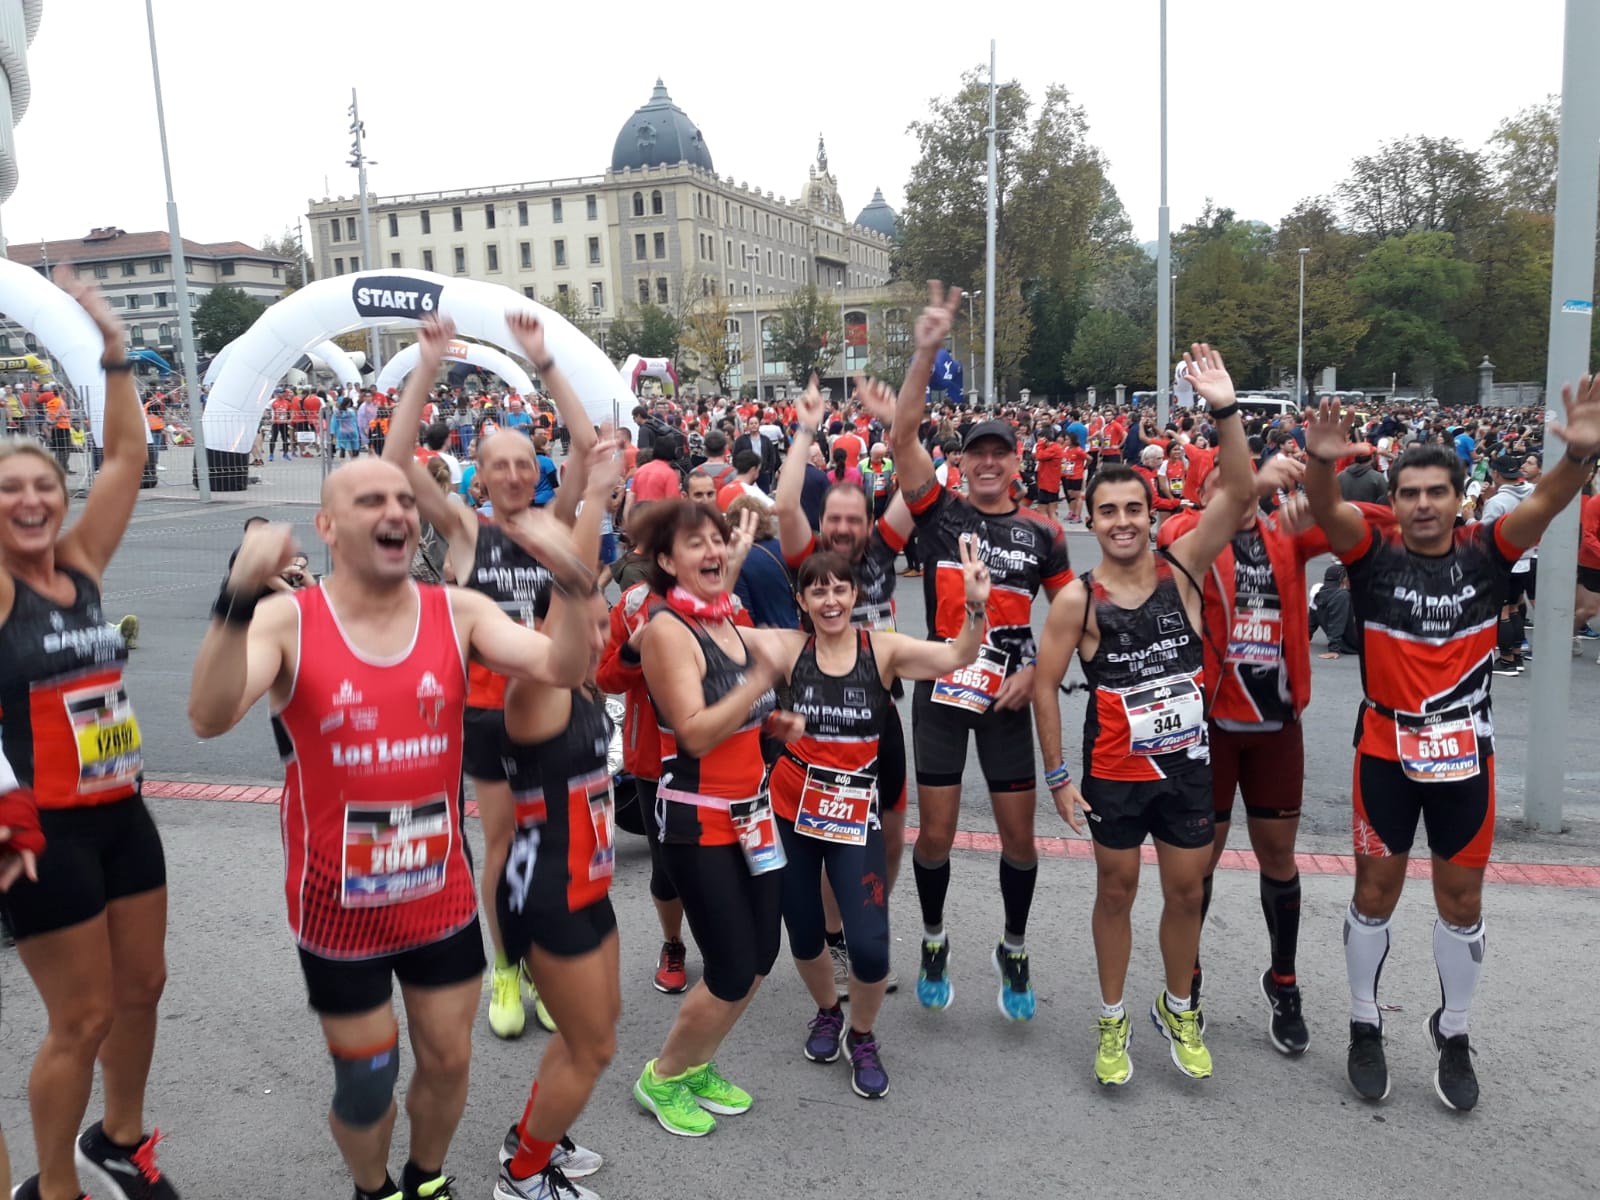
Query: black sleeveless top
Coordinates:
[519,584]
[844,713]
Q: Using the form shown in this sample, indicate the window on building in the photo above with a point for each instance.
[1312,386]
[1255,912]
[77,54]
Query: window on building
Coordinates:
[855,342]
[228,268]
[394,224]
[394,260]
[594,252]
[770,362]
[525,255]
[661,291]
[563,289]
[427,221]
[657,207]
[530,293]
[277,271]
[660,241]
[491,255]
[699,204]
[461,260]
[161,300]
[338,266]
[561,252]
[556,217]
[638,204]
[488,216]
[730,252]
[118,301]
[350,229]
[597,295]
[333,228]
[129,268]
[164,334]
[769,262]
[644,291]
[639,252]
[355,263]
[427,260]
[133,301]
[455,218]
[30,342]
[591,207]
[522,212]
[157,265]
[100,271]
[792,275]
[136,335]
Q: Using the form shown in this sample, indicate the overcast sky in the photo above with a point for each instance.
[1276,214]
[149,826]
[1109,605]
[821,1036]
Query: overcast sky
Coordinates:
[1269,99]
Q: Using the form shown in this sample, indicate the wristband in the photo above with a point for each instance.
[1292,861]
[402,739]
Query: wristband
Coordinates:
[1221,414]
[1327,462]
[1057,779]
[232,608]
[544,366]
[629,654]
[587,588]
[123,366]
[1585,463]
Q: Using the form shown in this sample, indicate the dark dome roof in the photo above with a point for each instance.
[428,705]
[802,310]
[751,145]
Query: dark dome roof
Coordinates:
[879,216]
[657,134]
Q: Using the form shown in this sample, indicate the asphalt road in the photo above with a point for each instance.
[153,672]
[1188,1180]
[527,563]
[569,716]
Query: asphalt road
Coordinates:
[978,1107]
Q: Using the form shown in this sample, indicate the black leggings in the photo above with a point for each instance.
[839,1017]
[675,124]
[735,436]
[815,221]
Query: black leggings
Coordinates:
[860,884]
[733,915]
[660,882]
[280,433]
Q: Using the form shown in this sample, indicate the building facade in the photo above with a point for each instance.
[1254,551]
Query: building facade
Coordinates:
[660,226]
[135,272]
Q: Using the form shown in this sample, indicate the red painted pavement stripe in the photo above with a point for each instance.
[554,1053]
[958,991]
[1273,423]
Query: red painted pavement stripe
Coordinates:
[1519,874]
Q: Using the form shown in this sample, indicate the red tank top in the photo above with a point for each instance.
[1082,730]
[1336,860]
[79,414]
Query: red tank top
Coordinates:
[371,831]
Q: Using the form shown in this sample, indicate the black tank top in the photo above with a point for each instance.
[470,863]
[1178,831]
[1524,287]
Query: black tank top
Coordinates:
[844,713]
[66,726]
[1146,717]
[520,585]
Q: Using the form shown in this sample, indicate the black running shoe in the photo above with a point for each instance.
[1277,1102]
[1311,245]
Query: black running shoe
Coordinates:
[1455,1082]
[123,1173]
[1367,1069]
[28,1189]
[1287,1028]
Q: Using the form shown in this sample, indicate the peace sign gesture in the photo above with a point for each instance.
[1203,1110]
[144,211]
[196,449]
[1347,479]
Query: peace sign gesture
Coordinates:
[974,572]
[937,319]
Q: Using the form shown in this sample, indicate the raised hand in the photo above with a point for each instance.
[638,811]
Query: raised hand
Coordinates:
[550,542]
[1328,431]
[1279,473]
[974,573]
[938,318]
[1204,370]
[741,541]
[810,408]
[434,337]
[605,469]
[1581,432]
[877,398]
[529,332]
[263,555]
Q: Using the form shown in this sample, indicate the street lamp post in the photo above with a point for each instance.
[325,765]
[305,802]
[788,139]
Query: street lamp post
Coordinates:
[755,316]
[360,161]
[1163,255]
[989,220]
[972,342]
[1300,339]
[844,346]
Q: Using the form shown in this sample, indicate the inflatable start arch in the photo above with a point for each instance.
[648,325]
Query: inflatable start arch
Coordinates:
[487,357]
[59,324]
[329,307]
[636,368]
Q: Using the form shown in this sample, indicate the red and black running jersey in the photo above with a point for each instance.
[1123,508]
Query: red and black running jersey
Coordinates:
[519,584]
[1023,550]
[875,577]
[1428,628]
[694,793]
[564,852]
[1146,718]
[844,718]
[1250,680]
[66,725]
[371,832]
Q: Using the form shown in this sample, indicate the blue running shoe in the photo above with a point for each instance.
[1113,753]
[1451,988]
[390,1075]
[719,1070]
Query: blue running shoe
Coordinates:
[933,980]
[1016,999]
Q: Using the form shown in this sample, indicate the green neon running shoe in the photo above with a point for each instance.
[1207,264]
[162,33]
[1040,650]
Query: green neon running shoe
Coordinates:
[1113,1066]
[1182,1031]
[672,1103]
[715,1093]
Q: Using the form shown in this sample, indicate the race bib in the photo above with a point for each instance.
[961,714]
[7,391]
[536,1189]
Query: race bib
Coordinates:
[836,806]
[974,687]
[396,852]
[878,618]
[1165,716]
[1256,638]
[1441,748]
[600,801]
[110,753]
[758,834]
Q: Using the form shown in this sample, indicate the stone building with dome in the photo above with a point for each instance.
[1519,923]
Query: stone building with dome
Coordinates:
[658,226]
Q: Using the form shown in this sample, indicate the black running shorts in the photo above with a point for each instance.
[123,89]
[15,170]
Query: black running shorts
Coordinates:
[347,987]
[1176,810]
[1458,815]
[481,734]
[939,740]
[92,856]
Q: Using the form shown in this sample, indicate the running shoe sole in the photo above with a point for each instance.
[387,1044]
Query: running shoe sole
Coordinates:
[1286,1051]
[95,1179]
[649,1106]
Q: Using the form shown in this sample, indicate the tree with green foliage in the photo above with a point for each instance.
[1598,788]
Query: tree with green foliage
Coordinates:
[1523,149]
[287,246]
[704,338]
[224,315]
[647,330]
[1409,286]
[578,315]
[806,336]
[1109,348]
[1418,185]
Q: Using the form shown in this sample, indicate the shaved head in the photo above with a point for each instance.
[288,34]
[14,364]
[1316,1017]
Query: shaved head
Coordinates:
[343,482]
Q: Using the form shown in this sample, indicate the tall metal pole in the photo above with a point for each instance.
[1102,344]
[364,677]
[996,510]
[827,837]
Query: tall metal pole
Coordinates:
[972,339]
[844,349]
[988,271]
[359,162]
[1571,314]
[755,315]
[191,373]
[305,263]
[1300,337]
[1163,257]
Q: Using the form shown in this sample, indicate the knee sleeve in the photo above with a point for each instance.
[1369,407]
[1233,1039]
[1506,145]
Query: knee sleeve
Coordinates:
[363,1084]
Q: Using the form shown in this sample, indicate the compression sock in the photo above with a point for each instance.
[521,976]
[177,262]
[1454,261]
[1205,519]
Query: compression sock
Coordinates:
[834,937]
[1280,904]
[1016,894]
[1366,945]
[387,1190]
[1458,954]
[1205,909]
[531,1156]
[412,1177]
[933,882]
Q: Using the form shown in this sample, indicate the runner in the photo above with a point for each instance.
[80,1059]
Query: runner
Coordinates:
[367,679]
[21,843]
[826,795]
[1023,552]
[553,899]
[1134,622]
[713,697]
[1428,598]
[91,929]
[487,556]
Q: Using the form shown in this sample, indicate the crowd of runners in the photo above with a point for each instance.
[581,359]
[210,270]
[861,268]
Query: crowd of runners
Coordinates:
[754,648]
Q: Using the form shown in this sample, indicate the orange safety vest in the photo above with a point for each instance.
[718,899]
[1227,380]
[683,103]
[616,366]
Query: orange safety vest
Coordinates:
[153,417]
[56,409]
